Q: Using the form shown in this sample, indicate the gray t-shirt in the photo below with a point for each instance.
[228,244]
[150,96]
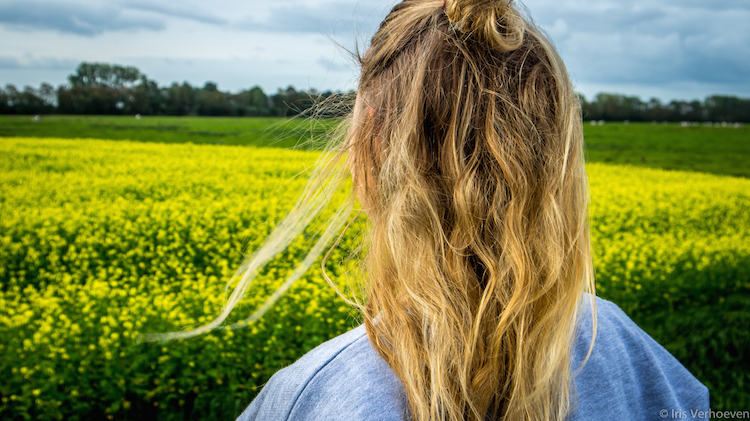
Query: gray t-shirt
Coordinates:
[628,377]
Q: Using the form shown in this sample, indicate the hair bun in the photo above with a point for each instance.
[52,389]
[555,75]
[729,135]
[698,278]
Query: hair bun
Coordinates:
[495,22]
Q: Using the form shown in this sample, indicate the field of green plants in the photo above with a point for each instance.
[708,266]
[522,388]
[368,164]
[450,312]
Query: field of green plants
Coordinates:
[715,150]
[260,131]
[103,240]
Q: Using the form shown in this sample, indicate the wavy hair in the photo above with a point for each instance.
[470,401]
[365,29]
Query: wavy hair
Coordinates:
[470,160]
[466,151]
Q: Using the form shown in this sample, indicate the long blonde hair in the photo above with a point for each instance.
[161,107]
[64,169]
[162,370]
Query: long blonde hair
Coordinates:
[466,145]
[470,161]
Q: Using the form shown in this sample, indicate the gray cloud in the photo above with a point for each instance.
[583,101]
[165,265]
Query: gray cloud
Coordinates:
[77,18]
[184,13]
[335,65]
[9,63]
[678,48]
[673,42]
[90,18]
[710,6]
[37,63]
[338,18]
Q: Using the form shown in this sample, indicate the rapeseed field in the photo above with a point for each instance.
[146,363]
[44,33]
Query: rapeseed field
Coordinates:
[101,241]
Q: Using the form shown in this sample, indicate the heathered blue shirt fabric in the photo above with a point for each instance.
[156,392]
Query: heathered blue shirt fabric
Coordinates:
[627,377]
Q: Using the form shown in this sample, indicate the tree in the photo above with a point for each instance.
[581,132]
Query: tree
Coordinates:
[727,108]
[289,101]
[104,75]
[4,102]
[252,103]
[101,88]
[210,87]
[179,99]
[213,102]
[29,102]
[8,98]
[144,98]
[47,94]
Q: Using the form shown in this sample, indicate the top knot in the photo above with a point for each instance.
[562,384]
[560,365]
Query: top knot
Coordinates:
[495,22]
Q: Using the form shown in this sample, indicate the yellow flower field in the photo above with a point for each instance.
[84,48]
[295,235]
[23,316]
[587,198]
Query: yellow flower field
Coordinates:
[103,240]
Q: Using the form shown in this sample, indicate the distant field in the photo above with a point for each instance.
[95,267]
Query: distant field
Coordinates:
[716,150]
[258,131]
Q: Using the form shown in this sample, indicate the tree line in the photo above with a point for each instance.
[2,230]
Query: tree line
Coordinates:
[715,108]
[100,88]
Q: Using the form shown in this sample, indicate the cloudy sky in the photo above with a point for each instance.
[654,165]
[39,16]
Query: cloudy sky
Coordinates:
[669,49]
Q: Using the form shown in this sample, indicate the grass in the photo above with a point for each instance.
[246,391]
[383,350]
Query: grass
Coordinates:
[716,150]
[257,131]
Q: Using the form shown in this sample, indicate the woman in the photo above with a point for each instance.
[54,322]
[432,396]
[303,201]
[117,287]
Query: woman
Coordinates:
[466,150]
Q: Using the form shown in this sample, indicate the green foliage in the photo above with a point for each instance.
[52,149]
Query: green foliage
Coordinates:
[102,240]
[255,131]
[102,88]
[110,89]
[104,75]
[618,107]
[717,150]
[671,250]
[27,101]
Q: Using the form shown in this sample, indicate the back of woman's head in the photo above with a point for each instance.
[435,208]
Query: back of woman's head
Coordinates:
[466,145]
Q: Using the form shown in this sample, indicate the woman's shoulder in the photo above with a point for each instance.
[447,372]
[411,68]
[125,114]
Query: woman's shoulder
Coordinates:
[342,379]
[628,372]
[628,376]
